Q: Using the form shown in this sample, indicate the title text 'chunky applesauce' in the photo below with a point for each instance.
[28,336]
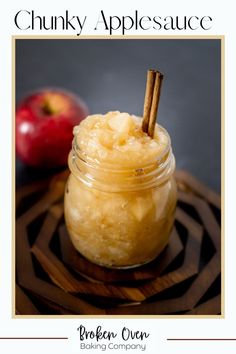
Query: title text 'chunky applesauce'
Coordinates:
[120,197]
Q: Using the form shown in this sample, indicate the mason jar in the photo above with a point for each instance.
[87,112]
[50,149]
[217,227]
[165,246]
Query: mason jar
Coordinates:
[120,217]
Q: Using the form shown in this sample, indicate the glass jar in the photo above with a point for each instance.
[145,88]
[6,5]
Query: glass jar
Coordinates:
[119,217]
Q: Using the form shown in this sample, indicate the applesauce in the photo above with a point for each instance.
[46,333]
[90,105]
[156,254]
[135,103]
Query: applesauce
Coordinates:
[120,197]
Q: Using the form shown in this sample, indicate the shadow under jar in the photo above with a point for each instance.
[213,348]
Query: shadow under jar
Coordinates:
[120,216]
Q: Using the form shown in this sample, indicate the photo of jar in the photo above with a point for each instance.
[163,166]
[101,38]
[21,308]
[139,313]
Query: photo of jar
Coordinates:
[118,176]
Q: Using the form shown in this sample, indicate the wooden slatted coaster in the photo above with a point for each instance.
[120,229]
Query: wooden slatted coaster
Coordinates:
[53,278]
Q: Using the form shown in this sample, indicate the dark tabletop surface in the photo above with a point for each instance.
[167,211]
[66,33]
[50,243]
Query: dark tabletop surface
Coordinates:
[111,74]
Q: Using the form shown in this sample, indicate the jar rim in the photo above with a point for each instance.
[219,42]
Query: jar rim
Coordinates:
[90,171]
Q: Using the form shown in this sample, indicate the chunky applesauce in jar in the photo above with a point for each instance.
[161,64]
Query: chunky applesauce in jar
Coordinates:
[120,197]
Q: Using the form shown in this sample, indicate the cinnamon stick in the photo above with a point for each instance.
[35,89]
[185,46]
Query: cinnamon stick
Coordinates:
[155,103]
[151,74]
[151,101]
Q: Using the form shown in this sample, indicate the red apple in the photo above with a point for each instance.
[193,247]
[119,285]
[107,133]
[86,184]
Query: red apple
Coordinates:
[44,125]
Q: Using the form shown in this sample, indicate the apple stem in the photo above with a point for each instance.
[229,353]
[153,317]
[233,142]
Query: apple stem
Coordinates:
[48,109]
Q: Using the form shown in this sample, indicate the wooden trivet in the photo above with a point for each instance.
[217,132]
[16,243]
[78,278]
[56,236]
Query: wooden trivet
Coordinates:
[52,278]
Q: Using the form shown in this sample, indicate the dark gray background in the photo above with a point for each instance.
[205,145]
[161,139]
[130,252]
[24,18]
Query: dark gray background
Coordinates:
[111,74]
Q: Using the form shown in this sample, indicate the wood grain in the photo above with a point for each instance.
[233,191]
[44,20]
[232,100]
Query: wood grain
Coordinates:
[184,279]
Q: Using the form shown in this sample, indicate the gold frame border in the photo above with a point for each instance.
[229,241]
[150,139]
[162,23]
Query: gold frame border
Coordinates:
[137,37]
